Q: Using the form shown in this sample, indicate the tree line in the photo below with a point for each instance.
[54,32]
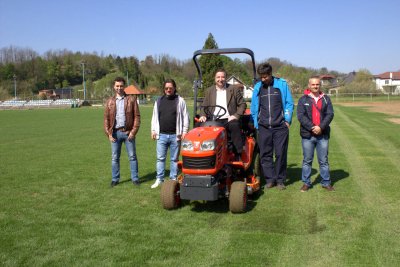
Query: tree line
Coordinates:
[54,69]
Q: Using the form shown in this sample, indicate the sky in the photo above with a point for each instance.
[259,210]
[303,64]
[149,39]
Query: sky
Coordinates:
[339,35]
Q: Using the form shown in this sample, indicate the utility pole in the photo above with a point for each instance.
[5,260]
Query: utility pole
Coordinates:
[127,78]
[84,83]
[15,86]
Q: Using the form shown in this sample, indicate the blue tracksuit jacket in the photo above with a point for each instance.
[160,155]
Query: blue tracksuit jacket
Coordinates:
[287,100]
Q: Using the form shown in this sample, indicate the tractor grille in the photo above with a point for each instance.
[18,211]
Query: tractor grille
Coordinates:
[199,163]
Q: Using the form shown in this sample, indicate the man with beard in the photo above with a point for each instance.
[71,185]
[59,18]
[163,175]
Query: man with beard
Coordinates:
[169,125]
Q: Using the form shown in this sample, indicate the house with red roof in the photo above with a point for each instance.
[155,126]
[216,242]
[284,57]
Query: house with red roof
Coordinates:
[328,80]
[133,90]
[388,82]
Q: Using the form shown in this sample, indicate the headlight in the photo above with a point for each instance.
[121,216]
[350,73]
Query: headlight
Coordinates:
[187,145]
[208,145]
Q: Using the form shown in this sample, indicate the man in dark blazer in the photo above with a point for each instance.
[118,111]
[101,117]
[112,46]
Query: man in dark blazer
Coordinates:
[227,96]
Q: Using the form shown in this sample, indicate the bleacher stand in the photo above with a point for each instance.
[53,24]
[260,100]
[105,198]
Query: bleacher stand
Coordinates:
[12,104]
[39,103]
[20,104]
[66,102]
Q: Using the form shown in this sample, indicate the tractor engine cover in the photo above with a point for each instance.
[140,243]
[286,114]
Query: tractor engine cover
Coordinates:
[196,187]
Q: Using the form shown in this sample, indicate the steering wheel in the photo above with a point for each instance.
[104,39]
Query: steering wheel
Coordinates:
[210,112]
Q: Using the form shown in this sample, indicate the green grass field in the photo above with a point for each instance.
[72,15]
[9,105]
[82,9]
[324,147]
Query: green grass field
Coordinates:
[57,208]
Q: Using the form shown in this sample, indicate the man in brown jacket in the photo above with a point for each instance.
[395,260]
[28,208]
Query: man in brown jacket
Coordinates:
[231,99]
[121,124]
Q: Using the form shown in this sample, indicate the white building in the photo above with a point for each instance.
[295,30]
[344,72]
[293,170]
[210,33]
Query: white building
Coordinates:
[388,82]
[247,92]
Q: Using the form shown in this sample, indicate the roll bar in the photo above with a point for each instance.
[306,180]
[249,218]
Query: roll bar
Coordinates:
[198,83]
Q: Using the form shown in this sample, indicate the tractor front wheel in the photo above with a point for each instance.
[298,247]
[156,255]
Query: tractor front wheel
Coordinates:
[170,197]
[238,197]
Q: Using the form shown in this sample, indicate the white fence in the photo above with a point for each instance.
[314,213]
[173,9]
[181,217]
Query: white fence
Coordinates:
[20,104]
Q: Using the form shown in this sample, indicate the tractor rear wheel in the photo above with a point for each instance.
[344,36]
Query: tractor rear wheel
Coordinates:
[238,197]
[170,197]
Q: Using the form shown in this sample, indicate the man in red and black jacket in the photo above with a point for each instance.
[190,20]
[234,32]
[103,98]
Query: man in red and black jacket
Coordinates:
[315,113]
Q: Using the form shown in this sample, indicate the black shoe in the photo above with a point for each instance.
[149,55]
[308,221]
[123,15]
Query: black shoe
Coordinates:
[114,183]
[269,185]
[135,182]
[281,186]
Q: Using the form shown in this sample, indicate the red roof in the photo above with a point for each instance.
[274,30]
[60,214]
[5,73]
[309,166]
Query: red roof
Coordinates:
[326,77]
[386,75]
[133,90]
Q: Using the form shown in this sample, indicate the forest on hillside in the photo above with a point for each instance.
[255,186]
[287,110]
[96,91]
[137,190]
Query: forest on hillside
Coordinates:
[24,72]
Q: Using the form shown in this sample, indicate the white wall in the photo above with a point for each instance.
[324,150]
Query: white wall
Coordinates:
[381,82]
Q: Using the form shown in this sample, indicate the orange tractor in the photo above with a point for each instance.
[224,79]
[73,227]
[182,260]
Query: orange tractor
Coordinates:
[208,169]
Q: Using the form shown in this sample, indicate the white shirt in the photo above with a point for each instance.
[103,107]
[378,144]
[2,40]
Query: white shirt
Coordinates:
[221,101]
[120,116]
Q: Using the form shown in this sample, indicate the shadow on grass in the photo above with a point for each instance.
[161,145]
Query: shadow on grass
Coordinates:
[294,175]
[147,177]
[222,205]
[336,176]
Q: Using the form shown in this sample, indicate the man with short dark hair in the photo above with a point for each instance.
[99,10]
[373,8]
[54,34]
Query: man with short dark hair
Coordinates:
[121,124]
[315,113]
[231,99]
[271,110]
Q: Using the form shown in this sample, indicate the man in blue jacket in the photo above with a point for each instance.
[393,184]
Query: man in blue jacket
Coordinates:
[271,110]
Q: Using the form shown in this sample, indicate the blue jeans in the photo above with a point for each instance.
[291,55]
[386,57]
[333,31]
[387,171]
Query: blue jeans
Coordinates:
[165,141]
[320,144]
[122,137]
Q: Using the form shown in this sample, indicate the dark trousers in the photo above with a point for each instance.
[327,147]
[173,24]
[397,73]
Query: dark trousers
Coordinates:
[273,141]
[233,129]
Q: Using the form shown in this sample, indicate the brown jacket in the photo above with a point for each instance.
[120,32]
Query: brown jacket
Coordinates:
[132,115]
[234,100]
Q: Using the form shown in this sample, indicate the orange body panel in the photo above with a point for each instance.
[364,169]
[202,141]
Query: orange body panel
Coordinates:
[197,136]
[200,134]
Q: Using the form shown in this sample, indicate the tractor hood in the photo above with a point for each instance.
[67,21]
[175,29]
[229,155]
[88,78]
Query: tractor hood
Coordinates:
[201,134]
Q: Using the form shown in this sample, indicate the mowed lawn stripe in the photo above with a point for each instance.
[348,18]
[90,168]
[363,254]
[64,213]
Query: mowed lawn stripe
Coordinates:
[377,210]
[57,207]
[370,128]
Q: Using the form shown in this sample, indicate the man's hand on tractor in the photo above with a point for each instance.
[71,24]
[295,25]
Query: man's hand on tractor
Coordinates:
[202,119]
[231,118]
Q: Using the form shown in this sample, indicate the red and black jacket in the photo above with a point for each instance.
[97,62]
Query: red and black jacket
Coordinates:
[307,107]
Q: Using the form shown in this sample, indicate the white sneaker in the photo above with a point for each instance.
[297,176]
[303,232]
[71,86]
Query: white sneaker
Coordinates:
[157,183]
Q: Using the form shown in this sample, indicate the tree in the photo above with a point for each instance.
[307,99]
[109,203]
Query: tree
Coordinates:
[362,83]
[209,63]
[133,69]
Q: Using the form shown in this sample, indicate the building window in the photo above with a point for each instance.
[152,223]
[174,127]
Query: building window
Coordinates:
[386,81]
